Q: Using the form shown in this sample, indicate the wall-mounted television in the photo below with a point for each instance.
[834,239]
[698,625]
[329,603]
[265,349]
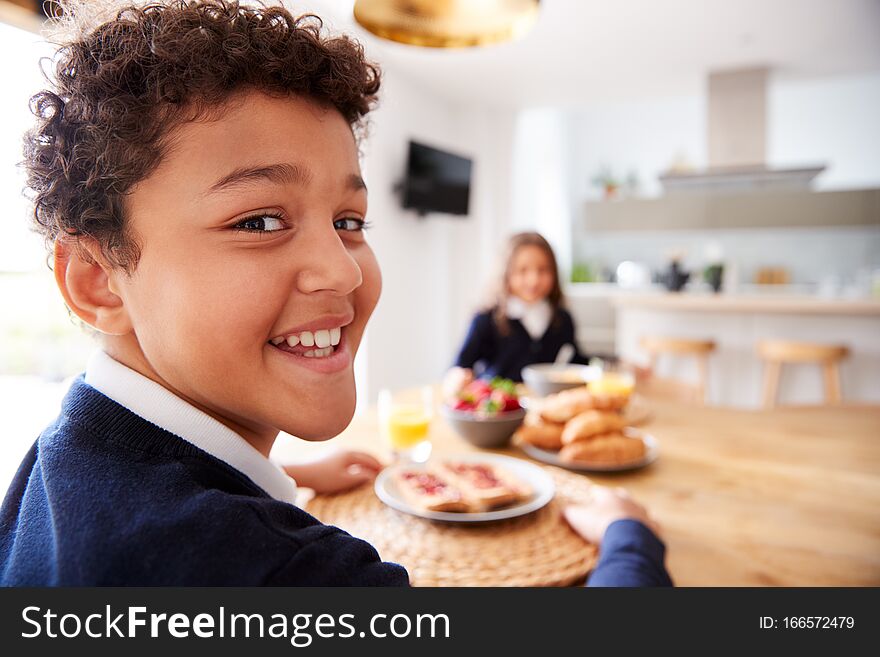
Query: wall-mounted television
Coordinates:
[436,181]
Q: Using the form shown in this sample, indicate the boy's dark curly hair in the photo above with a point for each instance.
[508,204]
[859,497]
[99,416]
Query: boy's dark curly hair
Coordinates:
[122,86]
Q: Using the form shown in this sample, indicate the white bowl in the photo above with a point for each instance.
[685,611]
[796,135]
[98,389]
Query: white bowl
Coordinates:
[487,431]
[549,378]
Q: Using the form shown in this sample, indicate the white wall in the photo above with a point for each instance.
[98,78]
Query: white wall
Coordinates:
[636,136]
[836,121]
[831,121]
[542,182]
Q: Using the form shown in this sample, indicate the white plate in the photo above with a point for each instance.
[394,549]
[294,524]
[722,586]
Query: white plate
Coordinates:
[652,451]
[539,481]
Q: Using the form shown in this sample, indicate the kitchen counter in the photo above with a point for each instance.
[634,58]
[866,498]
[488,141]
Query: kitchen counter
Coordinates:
[613,320]
[737,323]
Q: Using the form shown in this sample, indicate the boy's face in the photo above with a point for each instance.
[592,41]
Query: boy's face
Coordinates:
[252,259]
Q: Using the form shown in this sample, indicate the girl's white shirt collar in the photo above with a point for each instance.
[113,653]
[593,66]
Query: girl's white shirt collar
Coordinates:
[159,406]
[535,317]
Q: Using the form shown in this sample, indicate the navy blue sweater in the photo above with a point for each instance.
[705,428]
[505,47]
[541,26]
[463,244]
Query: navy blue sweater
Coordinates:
[631,555]
[105,498]
[491,353]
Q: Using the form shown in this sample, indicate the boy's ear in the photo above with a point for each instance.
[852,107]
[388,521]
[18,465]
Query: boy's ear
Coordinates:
[89,287]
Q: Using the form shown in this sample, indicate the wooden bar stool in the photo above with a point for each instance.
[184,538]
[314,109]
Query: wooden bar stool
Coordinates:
[699,349]
[775,353]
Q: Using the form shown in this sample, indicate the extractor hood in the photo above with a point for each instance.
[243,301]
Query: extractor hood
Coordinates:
[737,140]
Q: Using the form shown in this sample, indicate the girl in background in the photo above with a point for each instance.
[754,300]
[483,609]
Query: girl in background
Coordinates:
[526,322]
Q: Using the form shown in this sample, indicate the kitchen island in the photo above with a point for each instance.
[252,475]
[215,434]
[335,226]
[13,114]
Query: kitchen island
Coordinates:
[736,322]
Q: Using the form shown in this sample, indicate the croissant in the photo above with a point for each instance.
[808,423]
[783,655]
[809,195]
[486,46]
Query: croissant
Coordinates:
[563,406]
[607,449]
[544,436]
[589,424]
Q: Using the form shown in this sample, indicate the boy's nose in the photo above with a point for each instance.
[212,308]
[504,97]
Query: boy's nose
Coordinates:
[328,266]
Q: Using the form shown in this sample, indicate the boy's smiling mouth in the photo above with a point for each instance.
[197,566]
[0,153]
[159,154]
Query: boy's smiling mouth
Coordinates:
[320,344]
[311,344]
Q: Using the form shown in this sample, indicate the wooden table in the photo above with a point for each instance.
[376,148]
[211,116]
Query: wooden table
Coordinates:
[788,497]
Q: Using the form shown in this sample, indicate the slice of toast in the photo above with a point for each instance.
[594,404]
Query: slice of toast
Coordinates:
[484,485]
[430,489]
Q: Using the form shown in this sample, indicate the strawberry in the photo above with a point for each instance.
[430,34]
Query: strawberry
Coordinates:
[504,400]
[464,405]
[478,389]
[511,404]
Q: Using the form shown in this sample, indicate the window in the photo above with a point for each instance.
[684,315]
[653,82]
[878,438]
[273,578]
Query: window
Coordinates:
[40,347]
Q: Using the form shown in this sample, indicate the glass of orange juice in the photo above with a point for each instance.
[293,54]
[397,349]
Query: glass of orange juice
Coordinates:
[617,379]
[405,422]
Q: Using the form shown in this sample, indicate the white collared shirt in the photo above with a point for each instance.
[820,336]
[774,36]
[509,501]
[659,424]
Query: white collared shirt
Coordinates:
[535,317]
[158,405]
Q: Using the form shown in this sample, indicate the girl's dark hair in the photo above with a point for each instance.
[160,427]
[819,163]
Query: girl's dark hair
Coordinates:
[119,88]
[514,244]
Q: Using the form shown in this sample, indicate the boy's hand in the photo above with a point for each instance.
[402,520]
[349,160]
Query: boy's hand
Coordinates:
[606,505]
[337,472]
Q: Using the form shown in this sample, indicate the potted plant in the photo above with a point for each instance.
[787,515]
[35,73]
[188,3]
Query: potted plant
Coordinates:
[582,272]
[606,180]
[713,275]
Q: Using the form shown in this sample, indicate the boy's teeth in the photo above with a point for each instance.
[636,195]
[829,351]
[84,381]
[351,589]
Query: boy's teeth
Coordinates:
[322,338]
[318,353]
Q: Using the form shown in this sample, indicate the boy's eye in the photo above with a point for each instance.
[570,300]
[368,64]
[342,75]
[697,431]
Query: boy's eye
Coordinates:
[263,223]
[350,224]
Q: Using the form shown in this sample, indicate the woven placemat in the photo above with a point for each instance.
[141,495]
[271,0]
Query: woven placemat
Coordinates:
[538,549]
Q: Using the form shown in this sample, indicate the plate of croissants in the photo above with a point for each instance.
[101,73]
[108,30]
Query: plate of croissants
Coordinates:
[581,430]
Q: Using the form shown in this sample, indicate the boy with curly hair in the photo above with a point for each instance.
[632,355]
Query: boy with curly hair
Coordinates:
[195,170]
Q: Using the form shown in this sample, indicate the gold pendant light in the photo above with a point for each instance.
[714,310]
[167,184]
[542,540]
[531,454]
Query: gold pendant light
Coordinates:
[446,23]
